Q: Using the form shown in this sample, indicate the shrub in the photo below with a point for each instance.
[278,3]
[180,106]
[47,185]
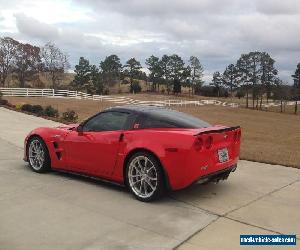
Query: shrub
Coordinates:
[37,109]
[3,102]
[135,87]
[125,81]
[19,106]
[27,107]
[50,111]
[70,116]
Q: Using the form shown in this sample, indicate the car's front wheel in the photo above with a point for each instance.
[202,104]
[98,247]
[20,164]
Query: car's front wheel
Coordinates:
[37,155]
[144,176]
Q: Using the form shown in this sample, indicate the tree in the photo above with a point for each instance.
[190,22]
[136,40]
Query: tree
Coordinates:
[254,71]
[296,88]
[217,82]
[156,71]
[281,92]
[55,63]
[196,72]
[176,70]
[243,66]
[8,47]
[176,86]
[96,80]
[268,75]
[166,70]
[249,68]
[296,76]
[111,69]
[82,70]
[257,70]
[176,65]
[27,62]
[231,77]
[133,68]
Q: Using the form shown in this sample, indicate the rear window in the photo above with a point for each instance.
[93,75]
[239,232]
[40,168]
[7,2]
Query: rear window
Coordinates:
[164,118]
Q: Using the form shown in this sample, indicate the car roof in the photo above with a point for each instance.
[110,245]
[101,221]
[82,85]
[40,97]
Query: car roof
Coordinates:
[136,108]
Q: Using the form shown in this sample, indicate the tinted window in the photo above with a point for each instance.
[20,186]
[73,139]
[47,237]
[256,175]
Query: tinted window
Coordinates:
[152,122]
[164,118]
[107,121]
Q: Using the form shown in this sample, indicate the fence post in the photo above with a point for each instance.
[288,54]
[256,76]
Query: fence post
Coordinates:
[53,92]
[27,92]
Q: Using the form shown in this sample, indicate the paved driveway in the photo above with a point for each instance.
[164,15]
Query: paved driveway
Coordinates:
[60,211]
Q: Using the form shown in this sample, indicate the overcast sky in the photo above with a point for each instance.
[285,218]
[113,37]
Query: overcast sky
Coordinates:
[216,31]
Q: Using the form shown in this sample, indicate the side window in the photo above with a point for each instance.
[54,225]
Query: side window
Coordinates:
[153,122]
[107,121]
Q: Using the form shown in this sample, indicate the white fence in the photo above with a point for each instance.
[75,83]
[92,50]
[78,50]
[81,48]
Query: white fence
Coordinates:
[30,92]
[122,100]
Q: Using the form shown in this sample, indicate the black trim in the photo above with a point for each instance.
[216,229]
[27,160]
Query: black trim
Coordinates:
[217,175]
[219,130]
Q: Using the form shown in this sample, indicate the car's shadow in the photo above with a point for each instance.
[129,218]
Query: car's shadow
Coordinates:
[193,192]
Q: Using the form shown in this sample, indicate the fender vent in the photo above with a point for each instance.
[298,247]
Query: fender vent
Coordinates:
[58,154]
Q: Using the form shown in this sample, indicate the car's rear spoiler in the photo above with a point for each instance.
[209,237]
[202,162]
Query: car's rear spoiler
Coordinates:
[218,130]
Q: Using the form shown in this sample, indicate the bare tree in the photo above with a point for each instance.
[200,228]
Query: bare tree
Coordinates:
[55,63]
[27,62]
[8,48]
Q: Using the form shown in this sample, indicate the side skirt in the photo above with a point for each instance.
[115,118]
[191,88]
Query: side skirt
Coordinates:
[96,178]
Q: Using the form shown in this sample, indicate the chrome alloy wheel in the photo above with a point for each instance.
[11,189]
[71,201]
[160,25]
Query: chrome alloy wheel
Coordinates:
[142,177]
[36,154]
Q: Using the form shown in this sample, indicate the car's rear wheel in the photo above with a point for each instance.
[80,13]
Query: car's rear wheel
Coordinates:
[37,155]
[144,176]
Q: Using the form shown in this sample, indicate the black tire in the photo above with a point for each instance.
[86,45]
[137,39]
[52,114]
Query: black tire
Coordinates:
[45,166]
[152,164]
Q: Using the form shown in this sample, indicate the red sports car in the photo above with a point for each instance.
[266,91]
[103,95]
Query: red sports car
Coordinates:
[146,148]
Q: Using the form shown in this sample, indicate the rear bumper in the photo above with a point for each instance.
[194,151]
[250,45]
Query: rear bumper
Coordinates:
[181,177]
[216,176]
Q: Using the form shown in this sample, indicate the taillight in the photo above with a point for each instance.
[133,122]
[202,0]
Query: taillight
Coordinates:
[208,142]
[198,144]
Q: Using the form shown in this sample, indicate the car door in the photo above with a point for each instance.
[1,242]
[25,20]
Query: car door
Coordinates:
[94,149]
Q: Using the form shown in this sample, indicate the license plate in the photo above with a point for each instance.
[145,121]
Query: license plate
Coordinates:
[223,155]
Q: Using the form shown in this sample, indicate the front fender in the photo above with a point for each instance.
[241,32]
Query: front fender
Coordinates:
[49,136]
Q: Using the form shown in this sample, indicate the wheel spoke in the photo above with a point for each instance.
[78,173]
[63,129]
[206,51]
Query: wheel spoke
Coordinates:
[145,188]
[152,178]
[136,175]
[135,182]
[149,184]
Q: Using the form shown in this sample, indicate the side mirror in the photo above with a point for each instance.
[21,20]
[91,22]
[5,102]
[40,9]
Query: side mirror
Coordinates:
[79,129]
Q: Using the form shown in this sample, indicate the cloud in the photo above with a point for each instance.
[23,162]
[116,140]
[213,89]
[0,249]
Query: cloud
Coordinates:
[278,7]
[217,31]
[35,29]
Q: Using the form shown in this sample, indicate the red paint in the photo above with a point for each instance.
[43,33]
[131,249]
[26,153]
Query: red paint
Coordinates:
[182,152]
